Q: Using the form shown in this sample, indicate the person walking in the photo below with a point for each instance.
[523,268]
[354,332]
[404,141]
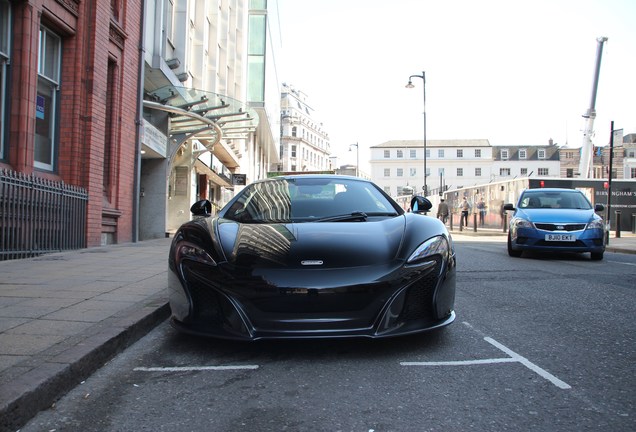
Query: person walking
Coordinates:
[442,211]
[481,206]
[465,207]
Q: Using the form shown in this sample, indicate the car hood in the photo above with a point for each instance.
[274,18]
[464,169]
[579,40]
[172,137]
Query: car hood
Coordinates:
[317,245]
[557,215]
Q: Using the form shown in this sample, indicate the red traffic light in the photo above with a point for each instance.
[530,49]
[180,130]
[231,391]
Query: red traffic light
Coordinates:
[542,183]
[606,185]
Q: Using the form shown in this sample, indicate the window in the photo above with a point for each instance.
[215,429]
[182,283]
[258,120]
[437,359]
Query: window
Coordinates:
[504,172]
[400,154]
[477,153]
[524,171]
[412,172]
[460,153]
[440,153]
[477,172]
[387,190]
[460,172]
[440,171]
[632,172]
[387,172]
[170,20]
[522,154]
[256,57]
[4,65]
[412,154]
[293,151]
[46,103]
[504,154]
[543,171]
[400,172]
[295,131]
[387,154]
[569,172]
[428,153]
[541,153]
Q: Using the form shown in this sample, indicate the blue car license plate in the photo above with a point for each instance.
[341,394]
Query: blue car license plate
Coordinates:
[560,237]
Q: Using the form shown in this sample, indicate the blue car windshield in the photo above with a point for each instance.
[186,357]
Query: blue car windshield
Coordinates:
[534,199]
[308,200]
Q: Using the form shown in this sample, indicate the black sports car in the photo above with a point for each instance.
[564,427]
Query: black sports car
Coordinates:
[309,256]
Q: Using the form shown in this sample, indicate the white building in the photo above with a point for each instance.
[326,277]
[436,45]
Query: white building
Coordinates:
[525,161]
[304,141]
[211,99]
[449,164]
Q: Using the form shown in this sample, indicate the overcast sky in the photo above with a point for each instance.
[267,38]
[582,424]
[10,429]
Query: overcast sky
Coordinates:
[513,72]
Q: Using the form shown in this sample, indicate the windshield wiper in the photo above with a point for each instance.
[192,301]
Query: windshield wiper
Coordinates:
[357,215]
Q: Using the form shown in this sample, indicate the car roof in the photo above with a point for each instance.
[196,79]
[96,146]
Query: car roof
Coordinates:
[552,190]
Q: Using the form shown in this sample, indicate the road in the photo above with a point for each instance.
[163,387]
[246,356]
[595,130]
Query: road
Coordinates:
[538,345]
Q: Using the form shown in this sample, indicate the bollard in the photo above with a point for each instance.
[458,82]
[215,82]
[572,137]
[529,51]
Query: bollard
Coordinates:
[618,224]
[504,220]
[633,223]
[475,222]
[451,221]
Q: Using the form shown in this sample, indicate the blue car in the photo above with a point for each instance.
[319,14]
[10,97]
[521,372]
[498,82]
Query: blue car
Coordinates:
[556,220]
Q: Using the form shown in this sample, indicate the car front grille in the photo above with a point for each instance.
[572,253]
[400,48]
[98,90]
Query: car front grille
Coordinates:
[557,245]
[559,227]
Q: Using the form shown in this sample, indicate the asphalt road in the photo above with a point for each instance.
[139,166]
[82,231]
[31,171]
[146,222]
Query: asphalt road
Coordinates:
[539,345]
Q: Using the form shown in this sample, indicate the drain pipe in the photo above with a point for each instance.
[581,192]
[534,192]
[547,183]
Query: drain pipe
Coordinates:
[139,124]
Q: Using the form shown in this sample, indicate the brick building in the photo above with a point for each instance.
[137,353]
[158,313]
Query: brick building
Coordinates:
[69,85]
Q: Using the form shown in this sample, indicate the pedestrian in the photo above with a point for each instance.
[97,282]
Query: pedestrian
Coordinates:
[465,207]
[481,206]
[442,211]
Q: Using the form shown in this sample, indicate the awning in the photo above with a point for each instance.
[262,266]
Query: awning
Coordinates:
[205,116]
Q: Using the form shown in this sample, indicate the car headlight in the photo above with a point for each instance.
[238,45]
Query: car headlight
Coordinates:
[193,252]
[521,223]
[596,224]
[434,246]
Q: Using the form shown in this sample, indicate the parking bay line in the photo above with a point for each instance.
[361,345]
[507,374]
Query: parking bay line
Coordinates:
[194,368]
[514,358]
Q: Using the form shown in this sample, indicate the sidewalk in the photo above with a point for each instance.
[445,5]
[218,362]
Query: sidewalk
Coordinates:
[63,315]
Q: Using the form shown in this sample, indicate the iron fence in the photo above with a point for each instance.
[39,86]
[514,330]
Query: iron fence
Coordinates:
[39,216]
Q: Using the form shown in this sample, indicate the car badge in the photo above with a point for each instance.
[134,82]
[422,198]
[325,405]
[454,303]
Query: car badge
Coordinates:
[560,227]
[311,262]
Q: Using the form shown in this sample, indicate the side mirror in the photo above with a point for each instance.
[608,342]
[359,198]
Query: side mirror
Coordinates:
[509,206]
[599,208]
[201,208]
[420,204]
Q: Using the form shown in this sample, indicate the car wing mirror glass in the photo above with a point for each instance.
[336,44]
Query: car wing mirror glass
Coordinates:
[420,204]
[599,207]
[201,208]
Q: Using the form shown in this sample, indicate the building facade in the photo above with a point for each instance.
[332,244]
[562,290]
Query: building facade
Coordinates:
[211,96]
[525,161]
[398,166]
[304,141]
[68,115]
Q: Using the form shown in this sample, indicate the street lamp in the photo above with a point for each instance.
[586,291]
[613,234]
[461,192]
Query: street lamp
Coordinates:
[357,158]
[410,85]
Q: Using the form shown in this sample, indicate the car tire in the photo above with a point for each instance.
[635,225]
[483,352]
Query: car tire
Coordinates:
[511,251]
[596,256]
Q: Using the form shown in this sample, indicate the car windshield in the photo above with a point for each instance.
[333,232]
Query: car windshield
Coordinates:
[309,199]
[554,200]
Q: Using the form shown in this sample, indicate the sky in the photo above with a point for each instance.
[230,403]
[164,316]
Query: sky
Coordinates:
[513,72]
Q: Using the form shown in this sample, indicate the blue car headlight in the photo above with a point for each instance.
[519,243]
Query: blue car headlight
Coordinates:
[434,246]
[521,223]
[596,224]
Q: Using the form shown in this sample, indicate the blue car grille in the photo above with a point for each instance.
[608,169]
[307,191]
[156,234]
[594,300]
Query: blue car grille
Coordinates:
[559,227]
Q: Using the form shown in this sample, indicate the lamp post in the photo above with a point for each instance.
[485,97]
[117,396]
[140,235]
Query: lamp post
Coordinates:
[410,85]
[357,158]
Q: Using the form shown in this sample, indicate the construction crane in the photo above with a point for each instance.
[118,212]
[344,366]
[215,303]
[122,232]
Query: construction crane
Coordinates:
[585,164]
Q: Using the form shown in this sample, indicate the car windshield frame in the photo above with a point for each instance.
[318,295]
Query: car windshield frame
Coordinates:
[310,199]
[554,199]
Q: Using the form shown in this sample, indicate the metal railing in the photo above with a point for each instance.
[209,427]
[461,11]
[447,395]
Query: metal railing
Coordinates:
[39,216]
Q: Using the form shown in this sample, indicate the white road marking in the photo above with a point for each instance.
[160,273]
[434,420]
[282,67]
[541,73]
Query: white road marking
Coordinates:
[514,358]
[527,363]
[194,368]
[620,262]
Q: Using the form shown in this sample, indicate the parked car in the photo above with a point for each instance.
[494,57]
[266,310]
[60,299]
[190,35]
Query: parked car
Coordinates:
[555,220]
[309,256]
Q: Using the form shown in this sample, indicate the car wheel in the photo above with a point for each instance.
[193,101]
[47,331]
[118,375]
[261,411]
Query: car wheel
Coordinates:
[511,251]
[596,256]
